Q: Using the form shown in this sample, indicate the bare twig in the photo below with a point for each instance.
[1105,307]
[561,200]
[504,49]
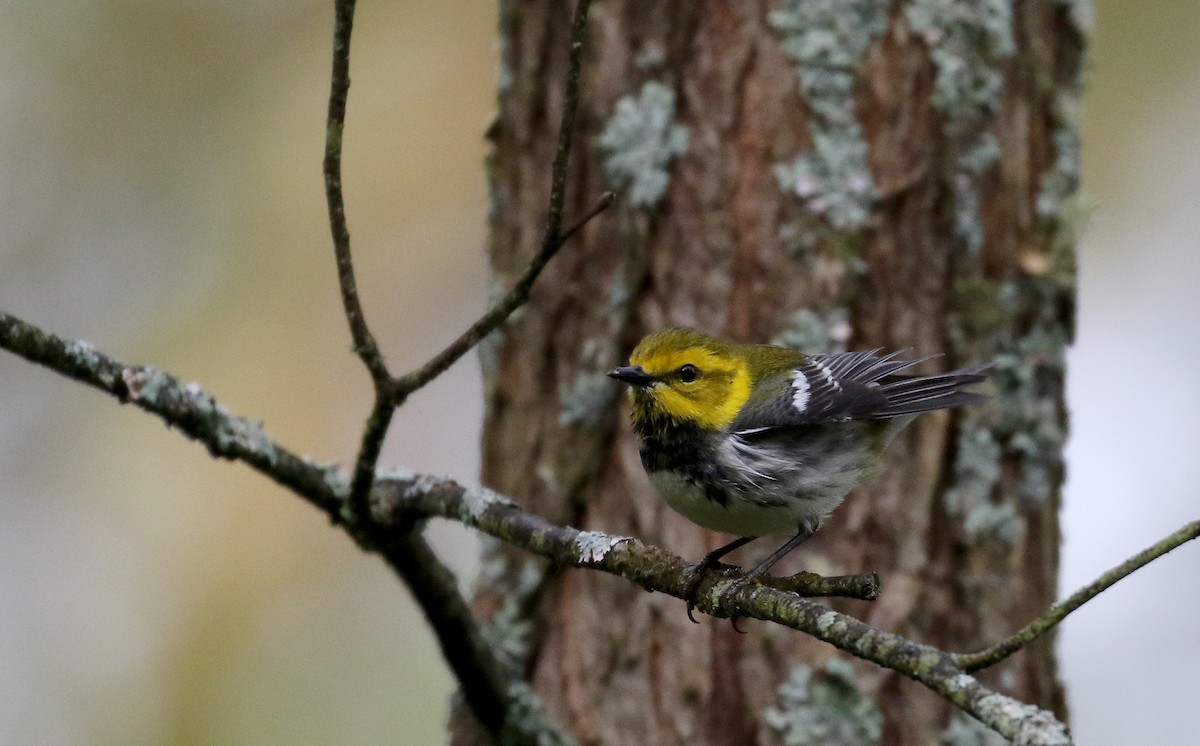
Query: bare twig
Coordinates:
[477,671]
[552,238]
[497,314]
[391,392]
[370,446]
[992,655]
[602,204]
[364,342]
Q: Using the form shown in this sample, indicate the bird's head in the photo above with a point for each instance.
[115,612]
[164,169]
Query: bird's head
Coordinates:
[683,376]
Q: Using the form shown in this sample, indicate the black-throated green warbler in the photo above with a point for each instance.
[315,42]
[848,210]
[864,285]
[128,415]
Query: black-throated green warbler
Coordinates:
[753,440]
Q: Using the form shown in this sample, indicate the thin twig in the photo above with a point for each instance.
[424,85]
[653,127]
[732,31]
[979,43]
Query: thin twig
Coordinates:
[370,446]
[339,87]
[391,392]
[602,204]
[365,345]
[552,238]
[993,654]
[434,587]
[389,397]
[516,297]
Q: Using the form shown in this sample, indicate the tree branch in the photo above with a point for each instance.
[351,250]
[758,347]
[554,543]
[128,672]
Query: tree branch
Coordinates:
[399,499]
[196,414]
[992,655]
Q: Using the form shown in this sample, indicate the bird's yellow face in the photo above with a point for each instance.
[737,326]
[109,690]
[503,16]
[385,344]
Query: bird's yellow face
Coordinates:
[683,375]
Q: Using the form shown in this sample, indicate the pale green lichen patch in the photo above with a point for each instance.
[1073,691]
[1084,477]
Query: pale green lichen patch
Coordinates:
[1030,376]
[488,354]
[476,500]
[973,163]
[509,629]
[1064,210]
[508,635]
[587,400]
[1024,423]
[144,383]
[812,332]
[832,180]
[967,40]
[594,546]
[526,725]
[639,141]
[83,355]
[972,496]
[928,660]
[827,39]
[826,621]
[199,415]
[335,479]
[965,730]
[1061,183]
[824,707]
[1082,14]
[397,474]
[1000,520]
[1031,721]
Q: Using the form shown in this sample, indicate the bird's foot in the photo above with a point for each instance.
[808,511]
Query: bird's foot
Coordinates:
[727,597]
[696,574]
[695,577]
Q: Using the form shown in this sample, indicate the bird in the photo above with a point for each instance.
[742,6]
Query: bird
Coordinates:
[755,440]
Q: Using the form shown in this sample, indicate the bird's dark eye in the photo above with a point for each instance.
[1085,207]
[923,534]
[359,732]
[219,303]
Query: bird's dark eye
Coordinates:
[689,373]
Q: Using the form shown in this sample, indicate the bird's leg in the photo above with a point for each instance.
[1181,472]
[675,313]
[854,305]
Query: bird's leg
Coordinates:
[710,560]
[762,568]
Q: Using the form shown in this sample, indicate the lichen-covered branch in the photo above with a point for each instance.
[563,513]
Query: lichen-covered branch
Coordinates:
[195,413]
[994,654]
[400,498]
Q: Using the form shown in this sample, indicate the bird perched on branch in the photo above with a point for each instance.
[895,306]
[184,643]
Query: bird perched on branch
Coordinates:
[752,440]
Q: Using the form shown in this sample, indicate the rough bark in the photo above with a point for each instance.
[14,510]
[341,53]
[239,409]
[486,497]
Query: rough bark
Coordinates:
[904,186]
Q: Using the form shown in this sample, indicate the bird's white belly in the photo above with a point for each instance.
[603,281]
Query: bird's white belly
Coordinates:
[738,516]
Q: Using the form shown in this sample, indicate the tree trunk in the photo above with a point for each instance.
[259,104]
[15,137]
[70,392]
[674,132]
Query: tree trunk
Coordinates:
[821,173]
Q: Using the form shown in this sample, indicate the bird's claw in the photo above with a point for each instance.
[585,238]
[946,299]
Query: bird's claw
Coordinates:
[696,572]
[727,598]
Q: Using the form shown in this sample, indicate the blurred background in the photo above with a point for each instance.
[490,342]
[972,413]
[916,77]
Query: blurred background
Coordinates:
[161,197]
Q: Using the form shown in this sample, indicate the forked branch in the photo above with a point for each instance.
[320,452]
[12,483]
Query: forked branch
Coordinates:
[392,391]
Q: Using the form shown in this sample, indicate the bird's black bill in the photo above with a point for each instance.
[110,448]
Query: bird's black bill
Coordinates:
[631,374]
